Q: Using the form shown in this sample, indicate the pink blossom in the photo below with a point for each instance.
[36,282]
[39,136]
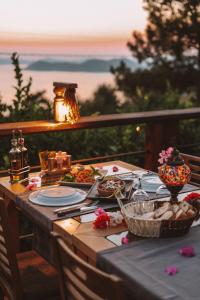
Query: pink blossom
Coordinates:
[169,151]
[164,155]
[99,211]
[31,187]
[171,270]
[187,251]
[125,240]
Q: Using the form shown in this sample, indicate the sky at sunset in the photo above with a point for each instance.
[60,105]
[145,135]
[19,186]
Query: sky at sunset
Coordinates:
[63,26]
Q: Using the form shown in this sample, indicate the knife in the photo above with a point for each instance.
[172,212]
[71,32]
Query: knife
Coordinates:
[82,210]
[82,206]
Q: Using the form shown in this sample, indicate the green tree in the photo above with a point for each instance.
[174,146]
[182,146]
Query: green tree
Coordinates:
[173,30]
[104,101]
[25,105]
[170,46]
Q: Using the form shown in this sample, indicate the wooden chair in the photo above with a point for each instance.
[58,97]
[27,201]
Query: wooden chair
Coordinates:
[25,275]
[194,163]
[81,281]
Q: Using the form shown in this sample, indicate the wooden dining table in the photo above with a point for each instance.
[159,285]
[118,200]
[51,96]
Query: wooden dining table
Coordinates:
[81,236]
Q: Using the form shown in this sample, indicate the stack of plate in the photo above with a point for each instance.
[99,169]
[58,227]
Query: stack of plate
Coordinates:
[57,196]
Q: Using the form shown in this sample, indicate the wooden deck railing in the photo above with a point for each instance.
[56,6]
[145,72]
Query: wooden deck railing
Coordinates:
[162,127]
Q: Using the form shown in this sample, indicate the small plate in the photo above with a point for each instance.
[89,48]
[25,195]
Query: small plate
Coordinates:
[37,198]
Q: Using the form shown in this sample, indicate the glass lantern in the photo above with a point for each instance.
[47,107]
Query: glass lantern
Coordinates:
[65,105]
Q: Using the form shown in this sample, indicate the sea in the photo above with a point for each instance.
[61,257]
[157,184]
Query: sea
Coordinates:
[43,80]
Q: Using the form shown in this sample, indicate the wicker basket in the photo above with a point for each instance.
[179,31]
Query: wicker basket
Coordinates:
[153,228]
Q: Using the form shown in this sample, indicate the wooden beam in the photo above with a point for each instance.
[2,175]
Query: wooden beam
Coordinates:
[159,135]
[101,121]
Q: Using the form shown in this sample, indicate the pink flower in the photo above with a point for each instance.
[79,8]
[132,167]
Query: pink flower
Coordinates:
[169,151]
[125,240]
[31,187]
[164,155]
[171,270]
[187,251]
[99,211]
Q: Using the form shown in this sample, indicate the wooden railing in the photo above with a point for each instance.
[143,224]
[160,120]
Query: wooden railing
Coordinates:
[162,127]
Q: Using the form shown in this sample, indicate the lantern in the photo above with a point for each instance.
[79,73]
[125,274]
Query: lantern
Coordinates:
[65,104]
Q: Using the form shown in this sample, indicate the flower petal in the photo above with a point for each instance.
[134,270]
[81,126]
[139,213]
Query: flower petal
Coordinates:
[187,251]
[171,270]
[125,240]
[99,211]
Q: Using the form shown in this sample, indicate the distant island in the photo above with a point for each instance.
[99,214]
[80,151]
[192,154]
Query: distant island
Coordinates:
[90,65]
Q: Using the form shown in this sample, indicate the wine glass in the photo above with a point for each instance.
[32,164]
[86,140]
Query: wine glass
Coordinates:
[162,190]
[139,194]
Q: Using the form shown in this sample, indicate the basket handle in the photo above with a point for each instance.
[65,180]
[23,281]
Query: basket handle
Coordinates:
[119,196]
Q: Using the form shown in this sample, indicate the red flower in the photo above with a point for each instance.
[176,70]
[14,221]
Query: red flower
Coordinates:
[192,196]
[102,221]
[115,169]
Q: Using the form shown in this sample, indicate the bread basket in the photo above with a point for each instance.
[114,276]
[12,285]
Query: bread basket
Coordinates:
[153,228]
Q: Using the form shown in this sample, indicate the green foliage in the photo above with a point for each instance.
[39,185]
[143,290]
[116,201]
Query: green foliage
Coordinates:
[171,47]
[104,101]
[25,105]
[172,30]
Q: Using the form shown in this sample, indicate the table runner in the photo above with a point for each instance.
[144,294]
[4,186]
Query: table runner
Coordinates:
[45,216]
[141,265]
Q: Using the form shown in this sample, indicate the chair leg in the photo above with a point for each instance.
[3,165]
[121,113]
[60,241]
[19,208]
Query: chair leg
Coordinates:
[1,295]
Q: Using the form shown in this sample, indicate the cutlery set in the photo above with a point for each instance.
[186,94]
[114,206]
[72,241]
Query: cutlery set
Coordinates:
[82,207]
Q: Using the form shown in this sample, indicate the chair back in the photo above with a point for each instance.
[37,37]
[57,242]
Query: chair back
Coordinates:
[81,281]
[9,273]
[194,163]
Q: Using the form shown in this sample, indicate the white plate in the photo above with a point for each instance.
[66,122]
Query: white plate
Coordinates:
[37,198]
[58,192]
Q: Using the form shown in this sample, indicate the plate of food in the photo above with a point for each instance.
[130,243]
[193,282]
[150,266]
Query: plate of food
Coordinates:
[81,176]
[105,188]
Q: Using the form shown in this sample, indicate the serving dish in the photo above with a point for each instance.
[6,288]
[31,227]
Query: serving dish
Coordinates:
[93,193]
[75,184]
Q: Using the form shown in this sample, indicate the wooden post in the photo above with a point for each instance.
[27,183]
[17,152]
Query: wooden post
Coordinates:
[159,135]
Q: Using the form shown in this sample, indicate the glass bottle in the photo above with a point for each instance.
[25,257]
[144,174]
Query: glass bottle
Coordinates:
[24,151]
[15,160]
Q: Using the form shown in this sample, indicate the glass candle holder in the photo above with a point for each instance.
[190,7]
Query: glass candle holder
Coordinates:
[65,105]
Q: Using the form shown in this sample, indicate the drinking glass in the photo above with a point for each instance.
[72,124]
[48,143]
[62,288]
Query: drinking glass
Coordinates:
[162,190]
[139,194]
